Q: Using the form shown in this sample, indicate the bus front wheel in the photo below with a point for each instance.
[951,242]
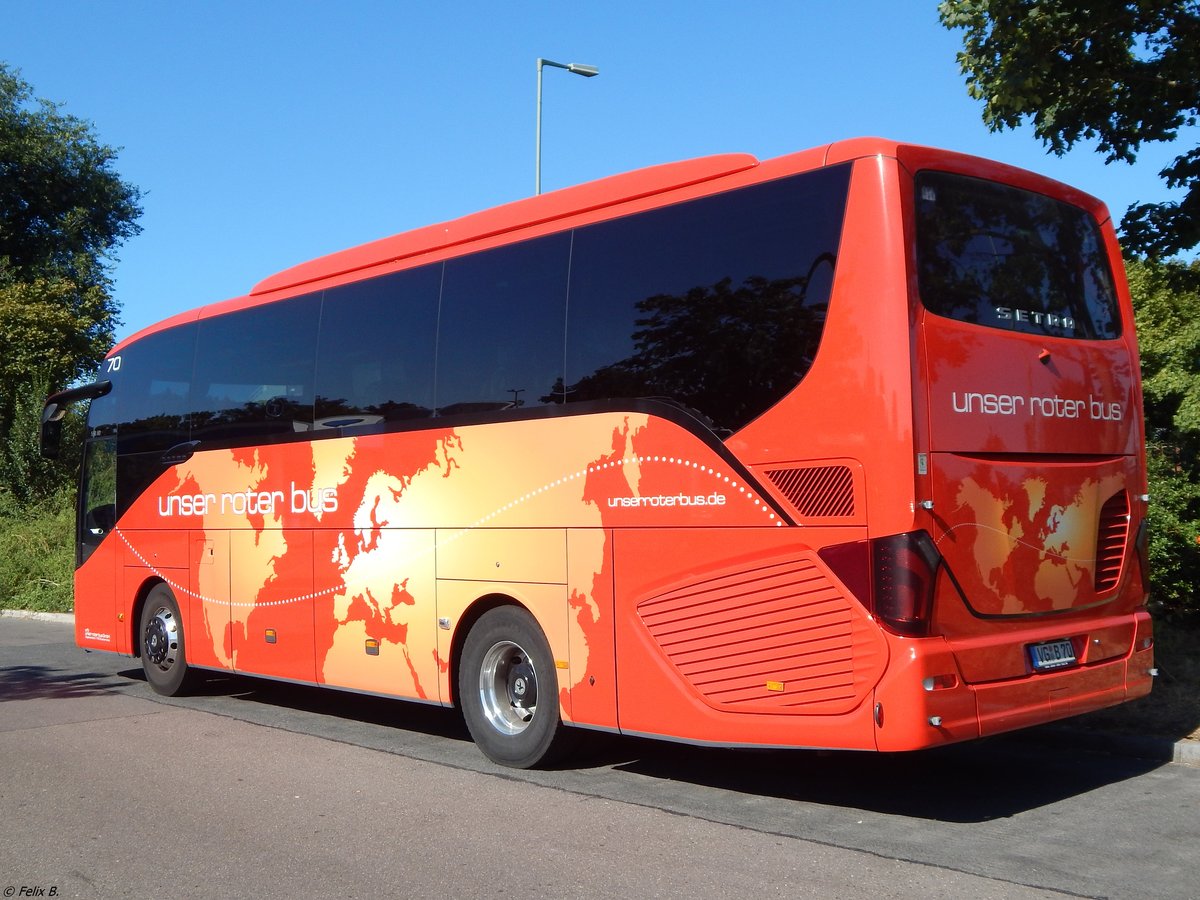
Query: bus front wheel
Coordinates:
[161,631]
[508,690]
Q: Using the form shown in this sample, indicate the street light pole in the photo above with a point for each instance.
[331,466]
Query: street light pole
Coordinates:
[578,69]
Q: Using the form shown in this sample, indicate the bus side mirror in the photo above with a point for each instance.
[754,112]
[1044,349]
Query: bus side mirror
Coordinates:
[56,408]
[51,437]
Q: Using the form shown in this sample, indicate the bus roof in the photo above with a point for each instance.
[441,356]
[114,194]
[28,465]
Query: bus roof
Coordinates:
[584,201]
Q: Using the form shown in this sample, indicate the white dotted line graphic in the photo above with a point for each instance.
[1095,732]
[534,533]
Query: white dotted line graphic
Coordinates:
[241,605]
[722,480]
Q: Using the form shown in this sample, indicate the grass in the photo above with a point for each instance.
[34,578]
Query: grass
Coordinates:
[37,555]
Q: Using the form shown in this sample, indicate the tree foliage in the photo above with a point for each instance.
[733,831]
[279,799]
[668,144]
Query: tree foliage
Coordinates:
[52,326]
[1166,299]
[62,207]
[1120,72]
[25,476]
[63,211]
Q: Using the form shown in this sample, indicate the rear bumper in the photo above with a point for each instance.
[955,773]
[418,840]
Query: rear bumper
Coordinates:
[924,701]
[1047,698]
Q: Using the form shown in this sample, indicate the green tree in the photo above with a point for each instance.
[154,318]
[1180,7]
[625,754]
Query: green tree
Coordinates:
[25,476]
[62,207]
[1120,72]
[1166,299]
[52,326]
[63,212]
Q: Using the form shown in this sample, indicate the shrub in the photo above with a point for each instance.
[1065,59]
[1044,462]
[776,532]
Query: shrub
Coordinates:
[37,553]
[1166,299]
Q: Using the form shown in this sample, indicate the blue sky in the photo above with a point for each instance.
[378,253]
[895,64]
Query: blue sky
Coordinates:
[267,133]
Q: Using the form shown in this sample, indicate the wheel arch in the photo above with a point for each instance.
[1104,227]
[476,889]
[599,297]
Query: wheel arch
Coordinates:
[472,614]
[139,602]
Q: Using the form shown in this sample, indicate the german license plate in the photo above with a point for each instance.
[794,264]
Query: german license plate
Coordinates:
[1052,655]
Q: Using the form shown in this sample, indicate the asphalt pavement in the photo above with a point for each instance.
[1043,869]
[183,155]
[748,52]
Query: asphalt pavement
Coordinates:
[257,789]
[1159,748]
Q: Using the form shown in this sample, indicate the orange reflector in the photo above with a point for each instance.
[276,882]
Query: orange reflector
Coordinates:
[372,647]
[775,685]
[561,664]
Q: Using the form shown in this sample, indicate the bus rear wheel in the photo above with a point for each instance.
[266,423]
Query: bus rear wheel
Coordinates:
[508,690]
[161,632]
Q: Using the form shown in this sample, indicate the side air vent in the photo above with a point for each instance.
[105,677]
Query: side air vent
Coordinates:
[1111,539]
[777,638]
[817,492]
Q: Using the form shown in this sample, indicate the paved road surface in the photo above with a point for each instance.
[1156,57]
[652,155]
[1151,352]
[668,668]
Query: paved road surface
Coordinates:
[254,789]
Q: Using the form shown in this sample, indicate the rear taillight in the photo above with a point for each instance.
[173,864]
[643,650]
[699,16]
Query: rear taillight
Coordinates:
[894,576]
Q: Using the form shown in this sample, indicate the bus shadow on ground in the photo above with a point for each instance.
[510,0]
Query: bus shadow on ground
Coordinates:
[271,697]
[973,782]
[31,682]
[966,783]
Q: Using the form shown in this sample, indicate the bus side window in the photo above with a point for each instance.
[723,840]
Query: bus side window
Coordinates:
[375,358]
[717,303]
[254,371]
[500,338]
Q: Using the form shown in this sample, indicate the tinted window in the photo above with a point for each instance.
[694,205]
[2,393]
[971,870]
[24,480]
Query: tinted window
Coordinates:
[147,407]
[999,256]
[98,494]
[375,359]
[500,338]
[717,303]
[254,371]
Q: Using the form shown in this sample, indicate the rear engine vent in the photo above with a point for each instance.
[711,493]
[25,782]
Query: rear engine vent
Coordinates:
[1111,540]
[817,492]
[780,637]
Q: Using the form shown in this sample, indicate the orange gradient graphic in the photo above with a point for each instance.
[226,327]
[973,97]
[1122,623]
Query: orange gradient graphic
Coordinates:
[336,543]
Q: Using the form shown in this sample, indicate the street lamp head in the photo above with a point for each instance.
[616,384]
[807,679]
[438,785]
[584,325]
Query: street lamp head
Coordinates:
[577,68]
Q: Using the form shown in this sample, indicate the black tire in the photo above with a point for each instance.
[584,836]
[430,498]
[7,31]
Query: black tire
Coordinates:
[505,663]
[160,636]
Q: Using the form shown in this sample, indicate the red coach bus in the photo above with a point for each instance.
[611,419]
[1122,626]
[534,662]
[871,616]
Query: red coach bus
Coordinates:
[842,449]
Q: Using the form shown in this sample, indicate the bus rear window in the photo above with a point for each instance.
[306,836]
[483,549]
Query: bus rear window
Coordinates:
[1000,256]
